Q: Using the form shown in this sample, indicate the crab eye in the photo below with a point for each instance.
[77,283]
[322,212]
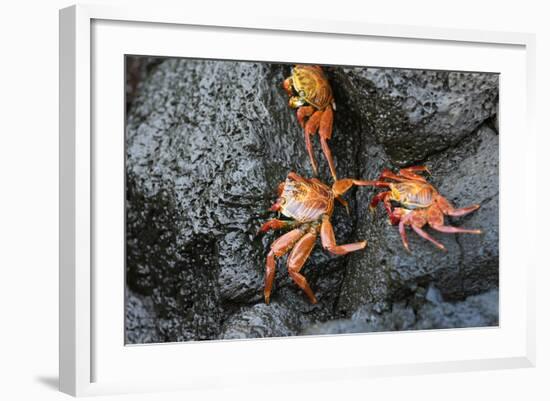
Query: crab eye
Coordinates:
[302,93]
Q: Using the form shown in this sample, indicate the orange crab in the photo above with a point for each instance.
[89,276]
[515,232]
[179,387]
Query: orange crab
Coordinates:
[311,94]
[309,204]
[421,204]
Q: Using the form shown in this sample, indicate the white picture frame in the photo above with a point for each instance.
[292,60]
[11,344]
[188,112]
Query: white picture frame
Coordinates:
[94,361]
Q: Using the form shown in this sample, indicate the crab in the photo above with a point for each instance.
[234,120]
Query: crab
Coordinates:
[308,203]
[310,93]
[420,204]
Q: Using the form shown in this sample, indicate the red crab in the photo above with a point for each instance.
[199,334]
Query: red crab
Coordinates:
[309,204]
[421,202]
[311,94]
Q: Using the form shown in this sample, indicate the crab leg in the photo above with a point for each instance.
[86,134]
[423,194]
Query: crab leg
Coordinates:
[276,224]
[416,168]
[340,187]
[392,176]
[449,210]
[310,153]
[461,212]
[409,173]
[377,184]
[325,127]
[311,128]
[403,235]
[295,177]
[425,235]
[344,203]
[279,248]
[304,112]
[328,156]
[325,132]
[454,230]
[297,259]
[329,241]
[364,183]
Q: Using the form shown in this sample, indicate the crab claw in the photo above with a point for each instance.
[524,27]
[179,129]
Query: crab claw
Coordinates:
[287,86]
[276,206]
[273,225]
[294,102]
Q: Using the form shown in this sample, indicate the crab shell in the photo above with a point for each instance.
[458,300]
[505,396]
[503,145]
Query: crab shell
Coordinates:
[311,84]
[306,202]
[413,195]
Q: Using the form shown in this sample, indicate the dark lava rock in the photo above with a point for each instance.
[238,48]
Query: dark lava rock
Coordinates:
[476,311]
[414,113]
[278,319]
[470,176]
[140,319]
[207,144]
[262,320]
[286,316]
[137,69]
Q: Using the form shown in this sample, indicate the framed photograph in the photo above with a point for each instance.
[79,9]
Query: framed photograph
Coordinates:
[238,194]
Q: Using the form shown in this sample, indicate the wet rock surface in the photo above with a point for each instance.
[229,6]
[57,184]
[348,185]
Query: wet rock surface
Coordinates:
[207,145]
[141,325]
[475,311]
[415,113]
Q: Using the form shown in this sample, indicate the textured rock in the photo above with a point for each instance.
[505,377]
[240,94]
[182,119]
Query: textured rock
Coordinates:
[140,320]
[278,319]
[479,254]
[415,113]
[207,144]
[262,320]
[137,70]
[476,311]
[180,277]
